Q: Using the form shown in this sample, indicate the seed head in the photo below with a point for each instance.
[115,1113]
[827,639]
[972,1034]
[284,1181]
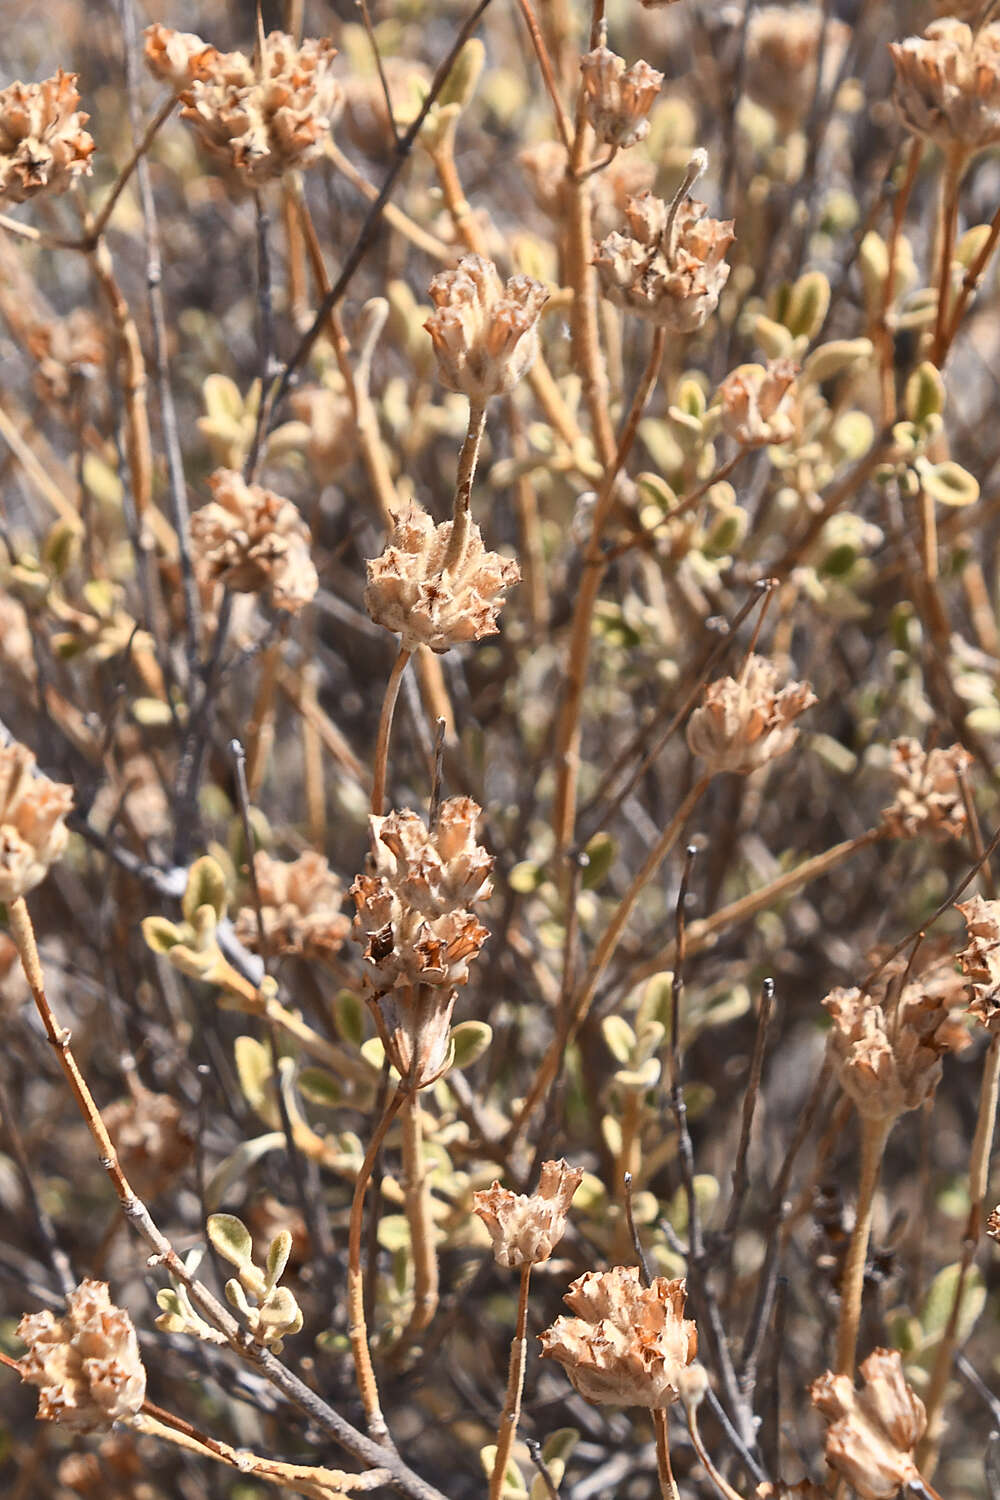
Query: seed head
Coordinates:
[669,267]
[178,57]
[86,1365]
[980,958]
[301,904]
[412,593]
[254,541]
[485,334]
[618,99]
[759,405]
[948,84]
[628,1343]
[32,832]
[928,791]
[43,145]
[874,1431]
[526,1228]
[782,55]
[744,723]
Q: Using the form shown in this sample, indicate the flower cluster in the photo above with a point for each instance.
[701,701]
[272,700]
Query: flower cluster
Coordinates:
[873,1431]
[43,145]
[948,84]
[759,403]
[783,54]
[747,721]
[33,833]
[980,958]
[85,1365]
[669,266]
[152,1137]
[928,791]
[485,333]
[525,1228]
[618,99]
[253,541]
[300,905]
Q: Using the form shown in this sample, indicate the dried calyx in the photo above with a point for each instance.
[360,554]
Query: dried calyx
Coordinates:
[948,84]
[928,791]
[618,99]
[873,1431]
[301,903]
[745,722]
[782,55]
[254,541]
[525,1228]
[43,145]
[86,1365]
[980,959]
[759,404]
[484,332]
[33,833]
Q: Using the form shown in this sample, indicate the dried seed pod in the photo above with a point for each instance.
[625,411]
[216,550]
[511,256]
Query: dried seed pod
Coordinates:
[782,55]
[743,723]
[928,791]
[759,404]
[628,1343]
[526,1228]
[32,832]
[874,1431]
[485,333]
[618,99]
[670,266]
[301,904]
[43,145]
[886,1048]
[86,1365]
[177,57]
[412,593]
[254,541]
[948,84]
[980,958]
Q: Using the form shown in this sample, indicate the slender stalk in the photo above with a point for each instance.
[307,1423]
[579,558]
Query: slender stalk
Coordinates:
[515,1385]
[971,281]
[462,510]
[548,77]
[385,728]
[395,217]
[954,168]
[665,1473]
[889,289]
[357,1328]
[874,1134]
[417,1199]
[99,224]
[721,1484]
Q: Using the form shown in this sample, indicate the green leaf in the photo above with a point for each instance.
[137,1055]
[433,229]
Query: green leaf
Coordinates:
[949,483]
[560,1444]
[320,1087]
[619,1038]
[466,70]
[513,1484]
[600,853]
[206,886]
[525,877]
[349,1014]
[231,1238]
[940,1299]
[925,394]
[657,490]
[255,1070]
[470,1040]
[160,935]
[277,1256]
[807,306]
[834,357]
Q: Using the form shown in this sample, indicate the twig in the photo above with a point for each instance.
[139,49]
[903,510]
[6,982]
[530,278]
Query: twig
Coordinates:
[385,729]
[740,1178]
[874,1134]
[515,1385]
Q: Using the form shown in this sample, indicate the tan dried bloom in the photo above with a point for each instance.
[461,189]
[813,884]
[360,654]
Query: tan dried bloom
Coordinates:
[177,57]
[628,1343]
[152,1137]
[618,99]
[301,904]
[948,84]
[886,1048]
[993,1224]
[670,266]
[66,349]
[745,722]
[32,832]
[264,117]
[874,1431]
[928,792]
[980,958]
[86,1365]
[413,594]
[526,1228]
[43,145]
[485,333]
[626,177]
[253,540]
[759,404]
[332,442]
[782,53]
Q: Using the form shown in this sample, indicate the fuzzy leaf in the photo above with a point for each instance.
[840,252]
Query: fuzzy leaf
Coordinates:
[206,886]
[277,1256]
[469,1040]
[349,1014]
[160,935]
[231,1238]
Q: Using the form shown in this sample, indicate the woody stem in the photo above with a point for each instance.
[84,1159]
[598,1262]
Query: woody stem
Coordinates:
[874,1134]
[668,1485]
[515,1385]
[421,1222]
[462,514]
[954,168]
[385,729]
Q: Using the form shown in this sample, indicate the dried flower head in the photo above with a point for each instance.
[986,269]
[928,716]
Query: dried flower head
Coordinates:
[152,1137]
[265,116]
[301,904]
[618,99]
[745,722]
[43,145]
[628,1343]
[980,958]
[874,1431]
[993,1224]
[177,57]
[32,832]
[485,333]
[412,593]
[886,1048]
[253,540]
[948,84]
[86,1365]
[331,445]
[670,265]
[526,1228]
[782,55]
[759,404]
[627,176]
[67,349]
[928,791]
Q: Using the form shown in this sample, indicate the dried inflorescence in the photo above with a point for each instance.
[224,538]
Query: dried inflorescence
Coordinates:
[414,594]
[525,1228]
[484,332]
[43,145]
[153,1139]
[618,99]
[86,1365]
[993,1224]
[745,722]
[980,958]
[759,403]
[782,56]
[670,266]
[873,1431]
[948,84]
[254,541]
[928,791]
[628,1343]
[418,933]
[67,349]
[886,1047]
[33,833]
[301,903]
[260,116]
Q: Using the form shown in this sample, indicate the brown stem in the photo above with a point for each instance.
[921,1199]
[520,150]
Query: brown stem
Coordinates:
[548,77]
[462,509]
[971,281]
[515,1385]
[668,1485]
[874,1134]
[420,1218]
[721,1484]
[954,168]
[385,728]
[96,228]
